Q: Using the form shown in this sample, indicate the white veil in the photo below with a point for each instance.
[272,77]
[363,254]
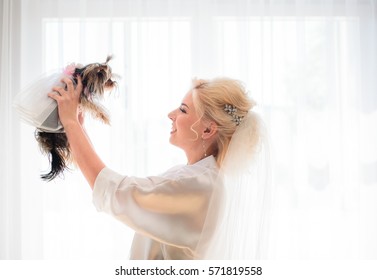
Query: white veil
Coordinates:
[237,223]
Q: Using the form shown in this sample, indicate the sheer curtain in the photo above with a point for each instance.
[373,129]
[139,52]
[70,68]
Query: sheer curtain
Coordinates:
[310,64]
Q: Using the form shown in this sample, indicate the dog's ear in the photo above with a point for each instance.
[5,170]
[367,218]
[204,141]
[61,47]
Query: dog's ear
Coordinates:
[108,58]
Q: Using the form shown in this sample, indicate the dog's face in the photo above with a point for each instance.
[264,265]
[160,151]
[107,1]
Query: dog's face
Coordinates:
[96,78]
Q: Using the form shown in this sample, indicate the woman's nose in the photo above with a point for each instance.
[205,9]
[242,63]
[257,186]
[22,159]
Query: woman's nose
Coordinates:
[171,115]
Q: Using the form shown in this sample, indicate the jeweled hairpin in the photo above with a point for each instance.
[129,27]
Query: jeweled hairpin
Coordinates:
[232,110]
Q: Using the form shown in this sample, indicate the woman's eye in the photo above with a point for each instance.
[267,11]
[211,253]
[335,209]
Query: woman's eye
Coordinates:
[182,110]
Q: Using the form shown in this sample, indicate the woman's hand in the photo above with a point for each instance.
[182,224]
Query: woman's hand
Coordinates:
[68,101]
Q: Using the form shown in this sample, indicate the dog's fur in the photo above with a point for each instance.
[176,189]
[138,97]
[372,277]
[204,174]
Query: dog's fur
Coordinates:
[96,78]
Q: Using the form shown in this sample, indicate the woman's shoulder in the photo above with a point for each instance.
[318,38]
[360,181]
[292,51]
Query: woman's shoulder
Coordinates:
[205,166]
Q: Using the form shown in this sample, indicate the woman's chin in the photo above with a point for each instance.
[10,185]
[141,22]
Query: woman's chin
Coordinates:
[173,141]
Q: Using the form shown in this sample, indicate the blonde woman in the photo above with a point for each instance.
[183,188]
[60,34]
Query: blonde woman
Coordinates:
[192,211]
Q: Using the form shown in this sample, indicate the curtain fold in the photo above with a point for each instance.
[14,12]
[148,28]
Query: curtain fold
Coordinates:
[310,65]
[10,204]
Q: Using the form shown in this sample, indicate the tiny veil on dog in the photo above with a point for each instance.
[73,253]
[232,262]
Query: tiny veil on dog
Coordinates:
[41,111]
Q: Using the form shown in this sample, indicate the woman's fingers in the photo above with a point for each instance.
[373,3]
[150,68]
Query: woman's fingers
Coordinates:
[79,84]
[54,95]
[58,90]
[69,83]
[70,89]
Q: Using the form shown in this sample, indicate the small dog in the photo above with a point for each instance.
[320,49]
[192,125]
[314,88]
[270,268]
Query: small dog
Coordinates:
[96,79]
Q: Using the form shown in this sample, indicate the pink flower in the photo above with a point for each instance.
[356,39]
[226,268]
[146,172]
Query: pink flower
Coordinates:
[70,69]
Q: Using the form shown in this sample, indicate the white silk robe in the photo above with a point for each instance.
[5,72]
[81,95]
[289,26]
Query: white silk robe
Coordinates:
[166,211]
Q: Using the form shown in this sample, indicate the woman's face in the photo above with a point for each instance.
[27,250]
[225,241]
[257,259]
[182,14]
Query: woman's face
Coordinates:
[185,124]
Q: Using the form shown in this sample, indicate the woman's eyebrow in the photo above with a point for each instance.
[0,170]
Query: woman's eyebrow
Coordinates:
[183,104]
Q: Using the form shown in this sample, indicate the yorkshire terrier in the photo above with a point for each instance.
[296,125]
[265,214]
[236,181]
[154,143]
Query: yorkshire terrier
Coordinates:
[96,79]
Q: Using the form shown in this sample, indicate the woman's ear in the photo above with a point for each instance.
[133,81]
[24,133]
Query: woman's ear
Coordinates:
[209,131]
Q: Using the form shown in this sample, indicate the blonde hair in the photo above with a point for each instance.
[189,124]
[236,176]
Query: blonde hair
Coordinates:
[210,98]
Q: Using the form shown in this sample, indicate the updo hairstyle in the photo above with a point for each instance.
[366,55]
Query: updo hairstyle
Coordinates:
[210,98]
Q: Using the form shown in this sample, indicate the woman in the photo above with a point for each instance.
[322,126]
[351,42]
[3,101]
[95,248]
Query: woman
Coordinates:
[179,214]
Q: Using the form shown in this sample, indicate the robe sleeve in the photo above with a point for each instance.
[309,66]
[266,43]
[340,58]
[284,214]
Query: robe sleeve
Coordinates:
[169,210]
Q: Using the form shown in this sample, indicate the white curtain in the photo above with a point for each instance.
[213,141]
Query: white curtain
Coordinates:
[310,64]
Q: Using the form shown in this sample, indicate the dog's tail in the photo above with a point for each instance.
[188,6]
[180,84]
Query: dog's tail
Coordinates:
[56,146]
